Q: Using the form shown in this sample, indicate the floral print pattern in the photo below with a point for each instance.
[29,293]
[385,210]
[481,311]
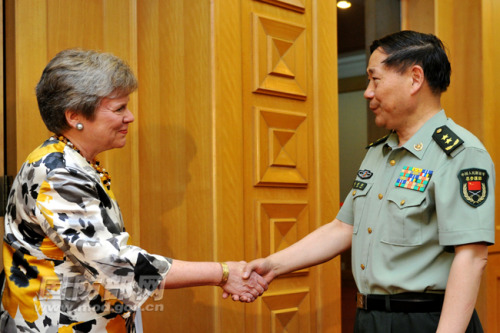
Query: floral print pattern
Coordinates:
[67,263]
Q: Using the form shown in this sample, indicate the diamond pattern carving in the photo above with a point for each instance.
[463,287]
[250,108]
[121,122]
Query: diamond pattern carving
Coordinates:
[281,225]
[287,311]
[281,148]
[284,148]
[295,5]
[279,58]
[285,320]
[283,233]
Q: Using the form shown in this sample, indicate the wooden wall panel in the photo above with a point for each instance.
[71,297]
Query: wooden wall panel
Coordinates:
[463,100]
[228,215]
[423,21]
[176,155]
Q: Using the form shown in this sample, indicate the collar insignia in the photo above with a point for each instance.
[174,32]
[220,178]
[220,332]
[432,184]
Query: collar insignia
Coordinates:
[418,146]
[365,174]
[473,186]
[414,178]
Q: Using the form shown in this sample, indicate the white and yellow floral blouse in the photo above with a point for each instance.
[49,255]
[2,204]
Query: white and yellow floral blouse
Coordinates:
[67,264]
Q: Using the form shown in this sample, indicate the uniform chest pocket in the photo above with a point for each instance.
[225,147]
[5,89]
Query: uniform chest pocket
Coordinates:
[360,205]
[405,218]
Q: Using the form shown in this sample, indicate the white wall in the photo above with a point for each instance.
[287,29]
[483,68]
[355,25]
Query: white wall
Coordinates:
[352,137]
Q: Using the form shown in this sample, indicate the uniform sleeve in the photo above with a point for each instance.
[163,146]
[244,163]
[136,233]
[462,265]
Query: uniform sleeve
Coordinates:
[77,215]
[346,213]
[465,199]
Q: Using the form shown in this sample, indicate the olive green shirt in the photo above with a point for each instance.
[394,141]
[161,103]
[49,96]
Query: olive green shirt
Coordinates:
[410,205]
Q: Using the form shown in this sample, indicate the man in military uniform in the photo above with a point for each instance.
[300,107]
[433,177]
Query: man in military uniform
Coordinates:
[421,212]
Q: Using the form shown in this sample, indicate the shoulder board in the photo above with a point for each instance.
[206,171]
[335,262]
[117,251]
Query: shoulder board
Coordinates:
[447,139]
[378,141]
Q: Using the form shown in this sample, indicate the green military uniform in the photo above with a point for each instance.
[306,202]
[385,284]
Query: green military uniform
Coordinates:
[410,205]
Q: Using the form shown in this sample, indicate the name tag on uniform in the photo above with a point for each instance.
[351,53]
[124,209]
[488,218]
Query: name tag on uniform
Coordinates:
[414,178]
[358,185]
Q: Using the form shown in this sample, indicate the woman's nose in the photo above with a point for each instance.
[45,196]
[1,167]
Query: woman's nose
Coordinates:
[129,117]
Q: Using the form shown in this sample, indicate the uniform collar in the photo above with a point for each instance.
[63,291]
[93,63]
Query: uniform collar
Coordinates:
[420,141]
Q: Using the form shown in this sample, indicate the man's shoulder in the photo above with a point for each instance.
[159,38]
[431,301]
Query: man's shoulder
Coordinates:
[378,141]
[453,138]
[470,140]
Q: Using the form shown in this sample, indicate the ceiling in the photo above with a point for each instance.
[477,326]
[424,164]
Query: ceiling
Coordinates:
[351,27]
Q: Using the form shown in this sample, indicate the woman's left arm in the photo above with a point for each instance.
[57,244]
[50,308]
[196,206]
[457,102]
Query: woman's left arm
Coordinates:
[463,286]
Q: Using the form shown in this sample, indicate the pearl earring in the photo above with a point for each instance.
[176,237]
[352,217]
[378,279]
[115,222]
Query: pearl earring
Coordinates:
[79,126]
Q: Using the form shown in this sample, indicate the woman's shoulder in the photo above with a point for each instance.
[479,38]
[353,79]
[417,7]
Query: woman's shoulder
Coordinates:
[47,153]
[52,158]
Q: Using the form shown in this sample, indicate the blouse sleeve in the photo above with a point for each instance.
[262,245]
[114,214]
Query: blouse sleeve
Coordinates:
[85,223]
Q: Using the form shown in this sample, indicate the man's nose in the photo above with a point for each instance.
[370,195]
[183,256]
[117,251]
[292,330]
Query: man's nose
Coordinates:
[369,93]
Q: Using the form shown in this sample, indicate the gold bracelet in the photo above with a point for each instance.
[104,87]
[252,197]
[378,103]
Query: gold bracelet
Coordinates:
[225,274]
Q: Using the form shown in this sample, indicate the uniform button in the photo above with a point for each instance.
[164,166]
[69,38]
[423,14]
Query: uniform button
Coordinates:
[362,267]
[392,162]
[353,192]
[380,196]
[370,230]
[402,202]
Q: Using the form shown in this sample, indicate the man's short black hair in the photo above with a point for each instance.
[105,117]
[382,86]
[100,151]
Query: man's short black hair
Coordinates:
[407,48]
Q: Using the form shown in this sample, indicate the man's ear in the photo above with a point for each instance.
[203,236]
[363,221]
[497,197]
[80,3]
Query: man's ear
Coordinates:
[417,78]
[72,117]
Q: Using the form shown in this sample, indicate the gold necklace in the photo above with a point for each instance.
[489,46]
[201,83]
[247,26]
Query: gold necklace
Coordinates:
[103,174]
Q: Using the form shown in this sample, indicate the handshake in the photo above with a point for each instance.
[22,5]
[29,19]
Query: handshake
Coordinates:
[245,282]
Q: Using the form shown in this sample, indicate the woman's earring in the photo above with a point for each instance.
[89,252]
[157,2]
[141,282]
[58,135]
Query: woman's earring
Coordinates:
[79,126]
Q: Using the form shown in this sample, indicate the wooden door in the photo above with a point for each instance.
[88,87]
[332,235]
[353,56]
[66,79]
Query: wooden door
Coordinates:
[290,154]
[233,153]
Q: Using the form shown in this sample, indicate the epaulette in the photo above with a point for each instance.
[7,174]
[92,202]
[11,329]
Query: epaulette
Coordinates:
[378,141]
[447,139]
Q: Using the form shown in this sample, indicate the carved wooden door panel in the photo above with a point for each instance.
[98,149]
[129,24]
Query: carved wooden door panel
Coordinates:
[290,140]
